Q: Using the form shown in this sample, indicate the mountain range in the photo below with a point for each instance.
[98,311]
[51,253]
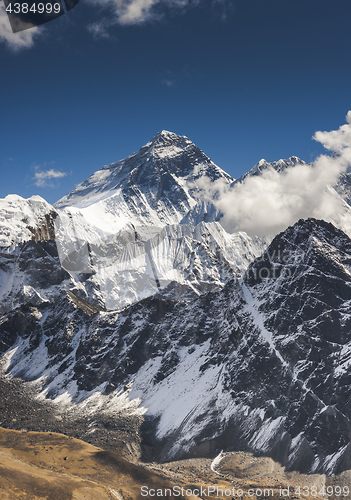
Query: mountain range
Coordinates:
[127,303]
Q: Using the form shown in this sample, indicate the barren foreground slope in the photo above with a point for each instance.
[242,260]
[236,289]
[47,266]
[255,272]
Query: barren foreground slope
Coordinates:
[51,466]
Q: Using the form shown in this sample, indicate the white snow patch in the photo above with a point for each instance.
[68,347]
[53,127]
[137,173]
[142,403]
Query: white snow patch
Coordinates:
[261,439]
[216,462]
[331,461]
[252,307]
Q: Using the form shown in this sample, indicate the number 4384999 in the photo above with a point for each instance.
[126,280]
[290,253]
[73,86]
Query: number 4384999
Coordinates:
[40,8]
[328,491]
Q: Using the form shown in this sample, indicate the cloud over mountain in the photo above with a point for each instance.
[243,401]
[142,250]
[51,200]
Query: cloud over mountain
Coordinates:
[269,202]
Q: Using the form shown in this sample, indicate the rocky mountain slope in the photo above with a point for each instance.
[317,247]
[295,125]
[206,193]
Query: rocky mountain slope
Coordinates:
[206,341]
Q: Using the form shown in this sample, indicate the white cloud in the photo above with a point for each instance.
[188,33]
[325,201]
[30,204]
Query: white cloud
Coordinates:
[128,12]
[339,140]
[136,11]
[99,29]
[268,203]
[42,178]
[16,41]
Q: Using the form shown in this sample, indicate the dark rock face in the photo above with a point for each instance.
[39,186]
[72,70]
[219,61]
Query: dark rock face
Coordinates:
[46,230]
[306,309]
[33,272]
[270,352]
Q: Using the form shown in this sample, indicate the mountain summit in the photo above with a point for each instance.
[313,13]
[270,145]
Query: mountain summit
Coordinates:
[156,184]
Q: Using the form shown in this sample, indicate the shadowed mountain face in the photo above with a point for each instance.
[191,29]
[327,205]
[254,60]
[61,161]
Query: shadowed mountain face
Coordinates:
[307,310]
[244,346]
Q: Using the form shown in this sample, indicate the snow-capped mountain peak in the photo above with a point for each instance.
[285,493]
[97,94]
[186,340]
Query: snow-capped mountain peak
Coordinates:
[156,184]
[165,138]
[135,226]
[279,166]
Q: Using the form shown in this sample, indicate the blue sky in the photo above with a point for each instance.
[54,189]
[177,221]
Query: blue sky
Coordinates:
[243,79]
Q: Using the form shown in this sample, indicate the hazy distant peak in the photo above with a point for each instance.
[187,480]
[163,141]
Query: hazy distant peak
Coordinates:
[293,160]
[278,165]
